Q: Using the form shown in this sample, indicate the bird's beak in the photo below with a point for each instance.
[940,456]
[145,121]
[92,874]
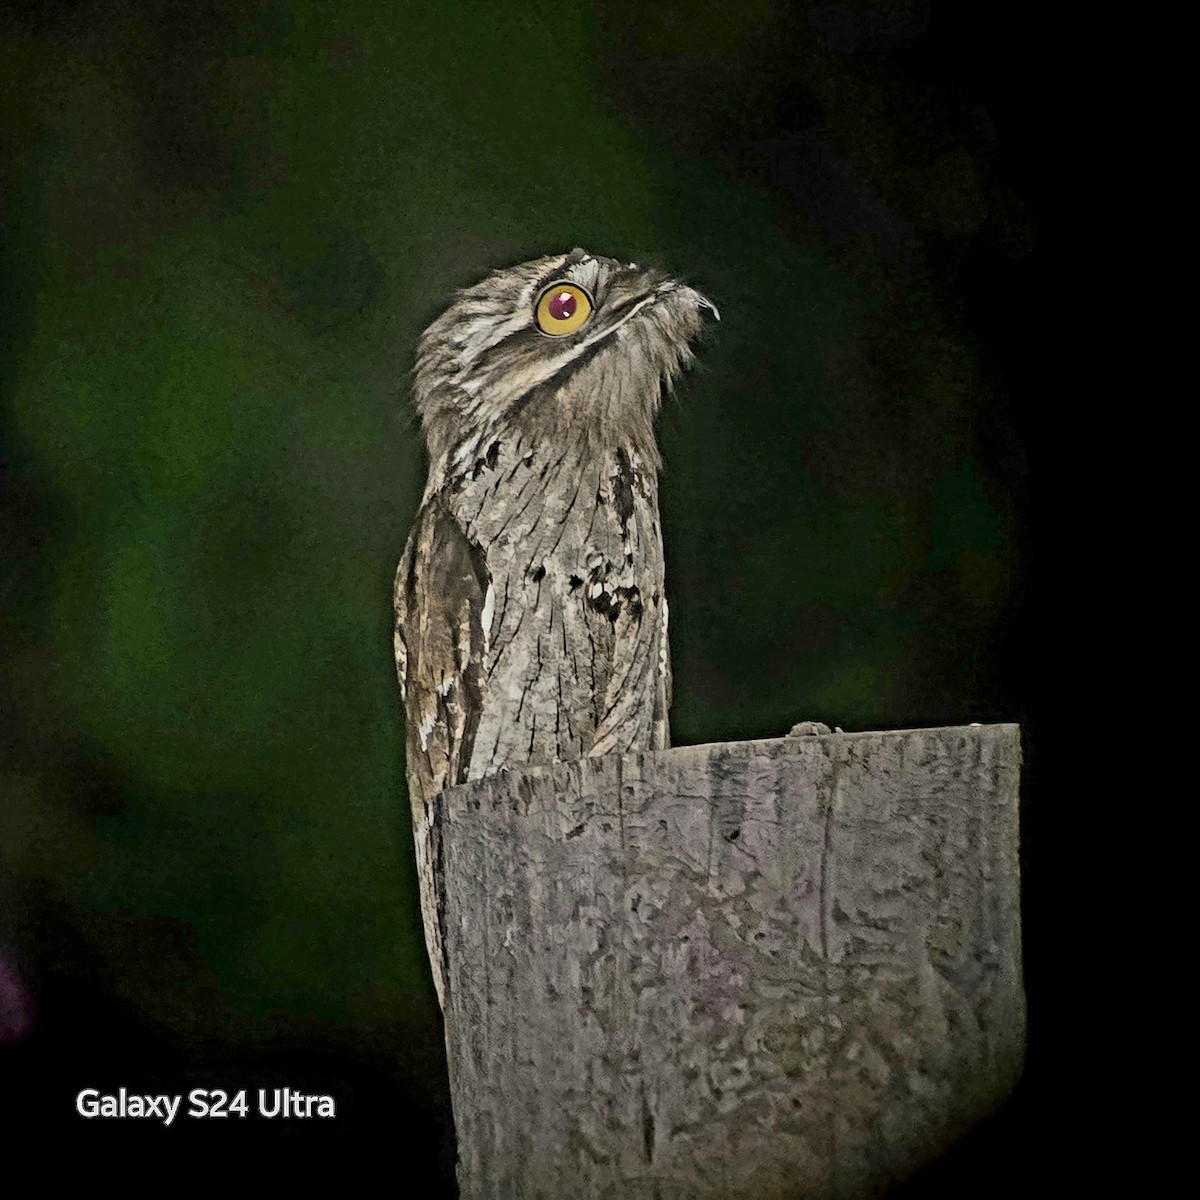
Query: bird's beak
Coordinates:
[704,302]
[688,293]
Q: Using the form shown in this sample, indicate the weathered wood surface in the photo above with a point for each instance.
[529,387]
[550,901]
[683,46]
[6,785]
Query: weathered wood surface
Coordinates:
[753,970]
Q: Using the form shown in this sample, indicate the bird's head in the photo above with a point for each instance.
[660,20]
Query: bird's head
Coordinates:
[576,341]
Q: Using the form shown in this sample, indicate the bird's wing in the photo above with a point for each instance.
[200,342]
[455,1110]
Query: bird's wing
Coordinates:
[441,593]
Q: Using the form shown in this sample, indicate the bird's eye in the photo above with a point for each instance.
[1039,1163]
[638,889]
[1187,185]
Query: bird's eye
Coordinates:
[562,308]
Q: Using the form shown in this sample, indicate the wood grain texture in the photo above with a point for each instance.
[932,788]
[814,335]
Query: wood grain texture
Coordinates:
[748,970]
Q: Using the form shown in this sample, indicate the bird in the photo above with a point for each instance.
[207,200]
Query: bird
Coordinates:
[531,617]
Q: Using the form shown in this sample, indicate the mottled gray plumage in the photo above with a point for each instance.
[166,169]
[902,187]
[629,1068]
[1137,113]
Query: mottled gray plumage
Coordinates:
[531,619]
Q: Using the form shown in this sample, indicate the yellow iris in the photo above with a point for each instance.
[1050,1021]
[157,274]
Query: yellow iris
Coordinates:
[562,308]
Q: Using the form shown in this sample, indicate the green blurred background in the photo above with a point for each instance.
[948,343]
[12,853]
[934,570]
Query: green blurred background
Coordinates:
[224,226]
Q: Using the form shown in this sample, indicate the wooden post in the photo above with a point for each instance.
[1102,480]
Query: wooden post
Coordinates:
[739,971]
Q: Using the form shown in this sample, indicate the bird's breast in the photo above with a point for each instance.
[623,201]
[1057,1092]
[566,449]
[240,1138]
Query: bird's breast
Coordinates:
[576,612]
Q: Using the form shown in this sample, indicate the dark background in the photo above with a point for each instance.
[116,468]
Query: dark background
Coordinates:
[223,227]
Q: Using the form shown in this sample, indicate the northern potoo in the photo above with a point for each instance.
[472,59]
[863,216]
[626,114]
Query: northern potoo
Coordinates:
[531,619]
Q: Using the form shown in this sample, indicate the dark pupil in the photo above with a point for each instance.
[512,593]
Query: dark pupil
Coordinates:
[562,306]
